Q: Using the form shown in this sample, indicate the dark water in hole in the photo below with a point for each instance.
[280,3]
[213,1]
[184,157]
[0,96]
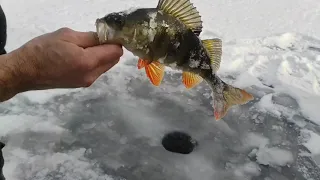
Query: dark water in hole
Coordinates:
[179,142]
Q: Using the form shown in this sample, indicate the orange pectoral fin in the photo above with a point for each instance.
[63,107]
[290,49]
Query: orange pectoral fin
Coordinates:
[155,72]
[190,80]
[141,63]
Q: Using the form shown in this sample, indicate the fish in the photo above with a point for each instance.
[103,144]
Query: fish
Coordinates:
[169,36]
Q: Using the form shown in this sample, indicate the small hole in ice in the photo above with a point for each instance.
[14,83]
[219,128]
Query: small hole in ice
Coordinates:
[179,142]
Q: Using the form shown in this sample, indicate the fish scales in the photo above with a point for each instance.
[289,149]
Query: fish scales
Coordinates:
[177,46]
[173,43]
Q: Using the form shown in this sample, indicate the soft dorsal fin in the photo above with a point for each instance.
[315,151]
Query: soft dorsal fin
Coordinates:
[184,11]
[214,49]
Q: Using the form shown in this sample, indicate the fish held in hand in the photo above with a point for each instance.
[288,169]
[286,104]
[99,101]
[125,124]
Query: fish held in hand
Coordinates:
[168,35]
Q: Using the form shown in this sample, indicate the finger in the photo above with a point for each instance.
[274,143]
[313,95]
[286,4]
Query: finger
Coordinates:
[82,39]
[102,54]
[96,73]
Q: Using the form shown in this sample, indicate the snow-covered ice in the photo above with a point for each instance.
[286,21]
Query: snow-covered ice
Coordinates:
[113,129]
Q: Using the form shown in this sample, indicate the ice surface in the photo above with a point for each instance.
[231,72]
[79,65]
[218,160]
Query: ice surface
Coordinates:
[113,129]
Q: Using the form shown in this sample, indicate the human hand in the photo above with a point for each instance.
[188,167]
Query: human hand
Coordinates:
[62,59]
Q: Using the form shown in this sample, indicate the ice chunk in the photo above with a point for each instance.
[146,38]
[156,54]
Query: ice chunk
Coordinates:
[256,140]
[252,168]
[313,142]
[274,156]
[285,100]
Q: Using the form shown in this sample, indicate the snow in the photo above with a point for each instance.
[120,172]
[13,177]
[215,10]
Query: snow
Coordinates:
[43,96]
[130,10]
[113,129]
[153,25]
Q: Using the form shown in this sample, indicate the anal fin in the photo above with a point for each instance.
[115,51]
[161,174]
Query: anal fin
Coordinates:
[190,80]
[214,49]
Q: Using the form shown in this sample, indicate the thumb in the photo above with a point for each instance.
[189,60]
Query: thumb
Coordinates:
[86,39]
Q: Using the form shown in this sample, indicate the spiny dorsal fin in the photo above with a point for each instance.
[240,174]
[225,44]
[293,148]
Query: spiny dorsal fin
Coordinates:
[214,48]
[184,11]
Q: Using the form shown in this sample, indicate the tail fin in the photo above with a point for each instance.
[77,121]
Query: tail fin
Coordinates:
[225,96]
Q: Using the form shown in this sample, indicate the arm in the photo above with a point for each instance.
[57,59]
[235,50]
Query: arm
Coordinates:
[13,79]
[61,59]
[9,81]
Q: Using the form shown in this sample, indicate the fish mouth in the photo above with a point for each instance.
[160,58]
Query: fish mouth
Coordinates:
[103,31]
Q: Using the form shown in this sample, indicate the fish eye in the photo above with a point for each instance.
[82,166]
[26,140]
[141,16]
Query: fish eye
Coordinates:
[116,19]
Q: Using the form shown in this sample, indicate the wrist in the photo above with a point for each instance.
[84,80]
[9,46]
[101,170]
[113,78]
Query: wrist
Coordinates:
[11,78]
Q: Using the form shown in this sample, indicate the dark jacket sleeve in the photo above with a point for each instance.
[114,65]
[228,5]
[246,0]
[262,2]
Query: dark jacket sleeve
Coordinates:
[1,161]
[3,31]
[3,41]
